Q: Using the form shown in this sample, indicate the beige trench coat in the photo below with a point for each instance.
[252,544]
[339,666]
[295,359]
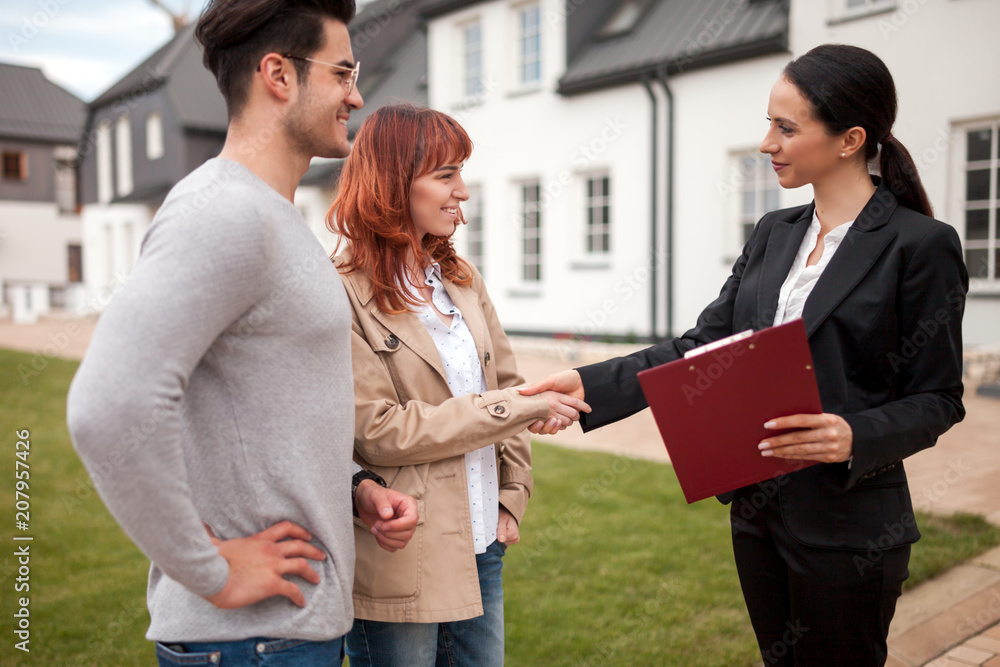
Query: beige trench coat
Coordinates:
[411,430]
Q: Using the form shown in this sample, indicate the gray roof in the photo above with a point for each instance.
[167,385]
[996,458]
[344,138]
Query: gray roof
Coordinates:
[190,87]
[680,35]
[391,45]
[399,78]
[34,108]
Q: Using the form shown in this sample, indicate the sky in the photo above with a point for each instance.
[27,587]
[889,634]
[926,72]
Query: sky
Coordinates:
[86,45]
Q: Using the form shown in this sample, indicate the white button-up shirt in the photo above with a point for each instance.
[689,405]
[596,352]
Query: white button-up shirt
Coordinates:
[465,376]
[801,278]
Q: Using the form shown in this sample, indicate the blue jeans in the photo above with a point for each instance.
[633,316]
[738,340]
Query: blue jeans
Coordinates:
[475,642]
[256,652]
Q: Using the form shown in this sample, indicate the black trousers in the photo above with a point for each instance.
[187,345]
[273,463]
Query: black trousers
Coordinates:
[811,606]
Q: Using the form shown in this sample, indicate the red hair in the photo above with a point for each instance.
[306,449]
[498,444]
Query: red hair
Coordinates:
[395,145]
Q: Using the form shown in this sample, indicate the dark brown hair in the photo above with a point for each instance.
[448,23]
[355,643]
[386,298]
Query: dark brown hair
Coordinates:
[236,34]
[851,87]
[395,145]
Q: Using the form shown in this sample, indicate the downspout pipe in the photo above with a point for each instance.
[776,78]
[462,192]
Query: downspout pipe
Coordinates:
[653,240]
[661,76]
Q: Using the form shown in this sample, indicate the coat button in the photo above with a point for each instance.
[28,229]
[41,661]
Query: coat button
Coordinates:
[499,409]
[391,342]
[486,357]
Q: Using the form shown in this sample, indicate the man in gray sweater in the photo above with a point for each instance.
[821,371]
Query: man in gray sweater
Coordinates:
[214,408]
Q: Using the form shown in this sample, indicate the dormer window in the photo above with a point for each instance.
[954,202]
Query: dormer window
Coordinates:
[624,18]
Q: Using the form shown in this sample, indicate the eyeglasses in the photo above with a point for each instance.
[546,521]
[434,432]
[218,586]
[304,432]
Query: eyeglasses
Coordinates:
[350,81]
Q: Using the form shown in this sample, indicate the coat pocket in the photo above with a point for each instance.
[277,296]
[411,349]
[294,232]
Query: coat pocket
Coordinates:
[388,576]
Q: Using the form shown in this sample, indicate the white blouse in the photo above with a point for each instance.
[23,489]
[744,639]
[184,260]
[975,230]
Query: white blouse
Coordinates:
[465,376]
[801,278]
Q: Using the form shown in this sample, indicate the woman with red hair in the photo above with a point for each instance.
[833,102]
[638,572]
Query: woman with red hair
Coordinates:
[437,412]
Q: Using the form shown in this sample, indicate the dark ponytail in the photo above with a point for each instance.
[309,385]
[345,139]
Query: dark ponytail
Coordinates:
[851,87]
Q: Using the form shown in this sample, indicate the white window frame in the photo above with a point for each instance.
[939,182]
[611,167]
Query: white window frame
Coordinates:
[742,180]
[65,178]
[593,230]
[105,184]
[530,215]
[519,47]
[469,75]
[841,11]
[155,148]
[982,281]
[123,154]
[475,233]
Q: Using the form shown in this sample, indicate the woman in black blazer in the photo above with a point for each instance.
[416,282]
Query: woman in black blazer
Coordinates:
[822,553]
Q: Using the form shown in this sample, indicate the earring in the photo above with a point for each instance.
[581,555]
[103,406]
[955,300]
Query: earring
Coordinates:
[843,155]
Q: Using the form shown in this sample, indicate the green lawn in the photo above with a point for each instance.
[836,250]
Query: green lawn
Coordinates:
[614,568]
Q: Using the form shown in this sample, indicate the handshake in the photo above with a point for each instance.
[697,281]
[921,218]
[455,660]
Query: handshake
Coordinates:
[564,392]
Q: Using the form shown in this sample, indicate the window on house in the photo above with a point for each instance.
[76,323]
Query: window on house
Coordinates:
[473,212]
[473,76]
[845,10]
[982,203]
[624,18]
[759,192]
[65,157]
[154,135]
[15,166]
[530,45]
[123,154]
[75,255]
[598,211]
[104,184]
[531,232]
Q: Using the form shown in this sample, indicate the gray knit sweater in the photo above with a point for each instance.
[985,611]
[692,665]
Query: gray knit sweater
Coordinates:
[217,389]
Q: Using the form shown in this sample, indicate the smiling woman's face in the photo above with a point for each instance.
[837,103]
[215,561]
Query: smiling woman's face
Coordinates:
[801,151]
[434,200]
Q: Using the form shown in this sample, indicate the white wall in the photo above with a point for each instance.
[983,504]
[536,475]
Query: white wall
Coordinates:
[558,141]
[33,241]
[112,237]
[313,203]
[935,49]
[943,57]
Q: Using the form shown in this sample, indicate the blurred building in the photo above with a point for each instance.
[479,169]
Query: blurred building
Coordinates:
[616,172]
[40,242]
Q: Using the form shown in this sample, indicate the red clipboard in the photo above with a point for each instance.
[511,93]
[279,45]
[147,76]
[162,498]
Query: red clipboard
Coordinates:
[710,407]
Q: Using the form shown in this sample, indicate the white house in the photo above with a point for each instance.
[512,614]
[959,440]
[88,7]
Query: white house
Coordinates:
[616,172]
[40,238]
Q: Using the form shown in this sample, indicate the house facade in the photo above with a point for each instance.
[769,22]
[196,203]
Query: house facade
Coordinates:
[616,173]
[41,264]
[144,134]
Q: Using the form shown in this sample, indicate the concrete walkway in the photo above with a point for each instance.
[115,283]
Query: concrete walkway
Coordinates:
[953,619]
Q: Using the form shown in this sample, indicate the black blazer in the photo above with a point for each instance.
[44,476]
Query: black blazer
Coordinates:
[884,325]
